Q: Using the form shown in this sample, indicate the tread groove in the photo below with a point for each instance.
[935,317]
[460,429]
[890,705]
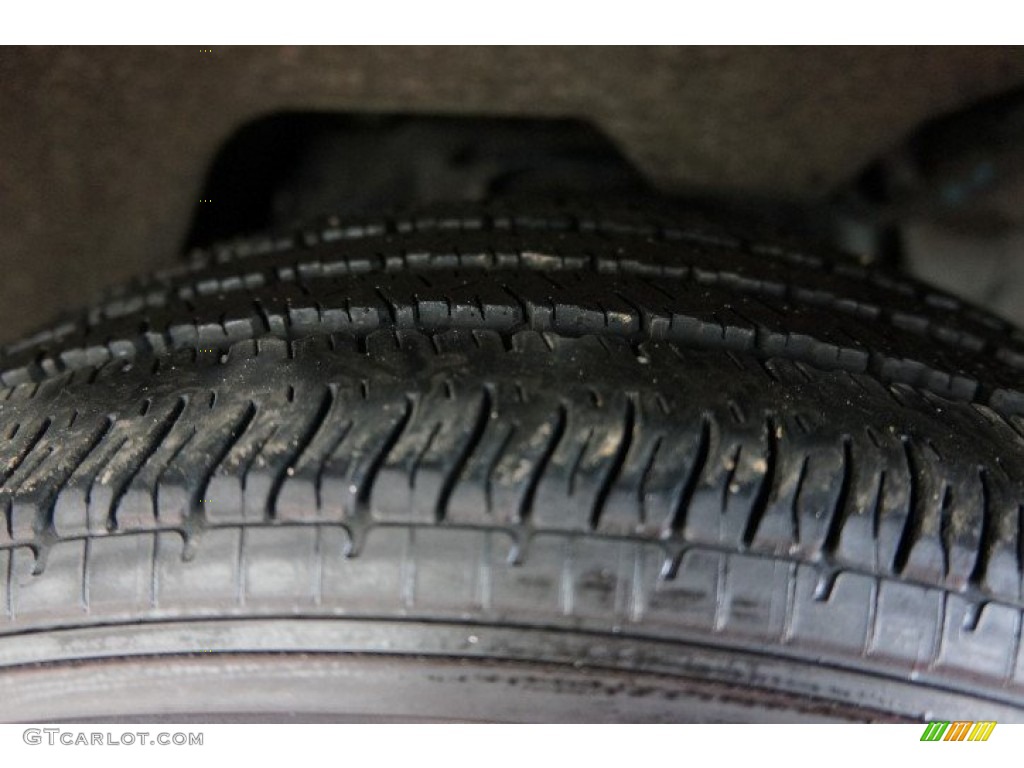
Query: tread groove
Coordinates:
[681,507]
[615,470]
[759,506]
[841,510]
[238,430]
[362,511]
[159,435]
[557,432]
[303,441]
[912,524]
[30,446]
[483,418]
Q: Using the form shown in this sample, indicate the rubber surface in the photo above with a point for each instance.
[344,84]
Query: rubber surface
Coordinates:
[615,425]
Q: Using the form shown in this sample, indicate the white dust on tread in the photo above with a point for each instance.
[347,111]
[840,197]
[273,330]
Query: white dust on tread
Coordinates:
[758,465]
[525,466]
[609,446]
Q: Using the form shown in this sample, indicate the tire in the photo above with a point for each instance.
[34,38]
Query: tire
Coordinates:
[559,465]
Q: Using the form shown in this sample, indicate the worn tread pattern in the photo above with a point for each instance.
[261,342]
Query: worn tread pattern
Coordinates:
[530,431]
[671,285]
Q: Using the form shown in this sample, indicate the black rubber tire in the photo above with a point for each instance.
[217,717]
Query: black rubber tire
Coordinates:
[656,471]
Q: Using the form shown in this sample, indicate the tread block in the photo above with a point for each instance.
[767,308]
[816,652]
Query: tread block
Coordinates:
[203,579]
[587,457]
[979,639]
[539,589]
[57,592]
[282,564]
[691,597]
[380,579]
[840,620]
[753,596]
[457,571]
[119,572]
[414,478]
[520,443]
[906,629]
[608,579]
[5,584]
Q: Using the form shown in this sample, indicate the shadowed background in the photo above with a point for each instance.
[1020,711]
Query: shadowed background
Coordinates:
[103,151]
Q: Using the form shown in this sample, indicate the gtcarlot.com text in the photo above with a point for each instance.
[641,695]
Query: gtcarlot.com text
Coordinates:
[72,738]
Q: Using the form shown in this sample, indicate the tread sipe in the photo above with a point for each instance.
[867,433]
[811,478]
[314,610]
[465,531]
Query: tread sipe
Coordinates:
[581,422]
